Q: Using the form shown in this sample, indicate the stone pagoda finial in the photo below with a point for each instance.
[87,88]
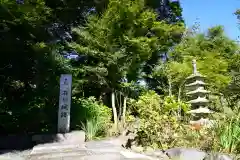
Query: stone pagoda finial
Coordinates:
[194,63]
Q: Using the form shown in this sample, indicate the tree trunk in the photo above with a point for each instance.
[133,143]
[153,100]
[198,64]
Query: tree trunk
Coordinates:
[119,106]
[221,99]
[179,97]
[114,109]
[124,108]
[169,87]
[179,93]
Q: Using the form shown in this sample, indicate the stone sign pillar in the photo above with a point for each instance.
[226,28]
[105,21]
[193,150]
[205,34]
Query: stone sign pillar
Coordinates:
[64,103]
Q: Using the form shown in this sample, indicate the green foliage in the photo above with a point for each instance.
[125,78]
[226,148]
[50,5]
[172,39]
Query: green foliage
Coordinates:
[228,132]
[117,45]
[149,100]
[158,121]
[123,39]
[110,53]
[95,116]
[172,105]
[30,69]
[118,40]
[172,10]
[232,92]
[213,52]
[91,129]
[74,12]
[159,127]
[237,13]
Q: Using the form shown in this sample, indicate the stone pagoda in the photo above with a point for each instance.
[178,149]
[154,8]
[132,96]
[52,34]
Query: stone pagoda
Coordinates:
[197,96]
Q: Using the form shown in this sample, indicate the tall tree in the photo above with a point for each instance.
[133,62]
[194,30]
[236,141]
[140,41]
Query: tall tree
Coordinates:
[29,68]
[170,12]
[213,52]
[119,42]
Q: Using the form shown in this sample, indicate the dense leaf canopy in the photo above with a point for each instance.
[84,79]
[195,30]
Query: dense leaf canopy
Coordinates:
[119,43]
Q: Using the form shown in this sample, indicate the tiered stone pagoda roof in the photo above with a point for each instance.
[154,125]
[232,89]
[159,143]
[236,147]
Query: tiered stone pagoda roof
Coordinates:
[199,100]
[198,90]
[200,110]
[195,76]
[196,83]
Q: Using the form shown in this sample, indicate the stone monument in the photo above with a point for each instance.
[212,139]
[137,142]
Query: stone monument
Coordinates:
[197,96]
[64,103]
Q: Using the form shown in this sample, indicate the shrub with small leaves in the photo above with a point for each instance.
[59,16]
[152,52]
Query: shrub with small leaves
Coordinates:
[158,125]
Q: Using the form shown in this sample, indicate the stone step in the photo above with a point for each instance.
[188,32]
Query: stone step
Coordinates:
[86,154]
[73,151]
[56,148]
[80,156]
[59,155]
[135,156]
[100,150]
[106,156]
[65,151]
[112,156]
[101,144]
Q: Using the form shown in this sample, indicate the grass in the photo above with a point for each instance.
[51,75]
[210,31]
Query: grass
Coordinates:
[91,129]
[229,135]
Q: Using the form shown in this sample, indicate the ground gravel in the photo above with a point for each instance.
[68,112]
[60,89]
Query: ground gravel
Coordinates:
[14,155]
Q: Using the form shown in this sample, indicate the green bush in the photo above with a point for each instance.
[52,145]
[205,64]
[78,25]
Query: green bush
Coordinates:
[158,121]
[160,128]
[171,106]
[88,113]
